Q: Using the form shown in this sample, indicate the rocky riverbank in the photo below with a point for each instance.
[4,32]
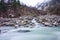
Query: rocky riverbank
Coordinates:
[28,21]
[49,20]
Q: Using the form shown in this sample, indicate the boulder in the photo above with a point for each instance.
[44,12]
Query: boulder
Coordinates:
[23,31]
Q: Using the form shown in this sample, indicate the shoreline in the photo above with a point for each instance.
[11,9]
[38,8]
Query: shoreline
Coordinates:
[46,20]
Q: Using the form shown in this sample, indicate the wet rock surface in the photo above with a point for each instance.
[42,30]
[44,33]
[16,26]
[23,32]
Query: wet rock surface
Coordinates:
[23,31]
[25,21]
[49,20]
[28,21]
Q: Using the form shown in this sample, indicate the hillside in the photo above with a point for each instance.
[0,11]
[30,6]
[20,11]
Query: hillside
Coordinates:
[51,7]
[12,10]
[16,14]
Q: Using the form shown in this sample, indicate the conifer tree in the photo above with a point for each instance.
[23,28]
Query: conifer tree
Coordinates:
[18,2]
[3,6]
[14,4]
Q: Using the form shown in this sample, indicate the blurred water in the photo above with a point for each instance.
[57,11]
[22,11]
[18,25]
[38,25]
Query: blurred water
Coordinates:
[37,33]
[42,33]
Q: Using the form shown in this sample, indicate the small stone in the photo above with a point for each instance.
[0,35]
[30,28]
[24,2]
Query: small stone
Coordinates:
[0,31]
[23,31]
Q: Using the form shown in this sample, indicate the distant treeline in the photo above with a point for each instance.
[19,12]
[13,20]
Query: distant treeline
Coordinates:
[9,5]
[13,9]
[4,5]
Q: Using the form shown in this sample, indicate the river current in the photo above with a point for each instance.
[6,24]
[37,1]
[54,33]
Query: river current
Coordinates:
[40,32]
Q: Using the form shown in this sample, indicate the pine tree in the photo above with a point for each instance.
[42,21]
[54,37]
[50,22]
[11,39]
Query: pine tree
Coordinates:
[0,4]
[18,2]
[14,4]
[3,6]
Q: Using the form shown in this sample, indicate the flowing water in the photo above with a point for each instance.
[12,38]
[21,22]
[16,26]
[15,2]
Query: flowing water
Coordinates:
[37,33]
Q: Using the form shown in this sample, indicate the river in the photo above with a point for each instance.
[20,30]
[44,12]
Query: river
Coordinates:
[40,32]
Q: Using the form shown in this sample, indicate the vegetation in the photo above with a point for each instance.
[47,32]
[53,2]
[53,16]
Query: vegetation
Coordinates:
[3,6]
[18,2]
[53,7]
[14,4]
